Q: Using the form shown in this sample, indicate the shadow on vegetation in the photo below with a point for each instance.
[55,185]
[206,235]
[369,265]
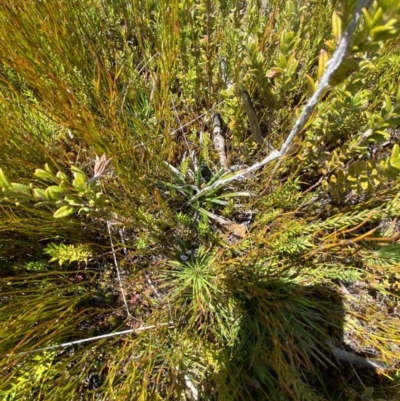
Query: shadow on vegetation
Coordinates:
[282,349]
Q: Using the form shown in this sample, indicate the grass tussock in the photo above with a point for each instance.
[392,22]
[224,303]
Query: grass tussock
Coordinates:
[125,208]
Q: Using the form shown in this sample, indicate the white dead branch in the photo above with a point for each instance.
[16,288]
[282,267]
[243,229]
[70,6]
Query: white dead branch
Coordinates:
[333,65]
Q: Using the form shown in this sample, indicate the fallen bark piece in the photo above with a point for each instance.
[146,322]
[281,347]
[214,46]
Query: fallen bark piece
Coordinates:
[236,229]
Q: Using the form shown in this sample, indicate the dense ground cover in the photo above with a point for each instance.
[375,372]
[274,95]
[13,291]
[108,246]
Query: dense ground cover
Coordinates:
[128,206]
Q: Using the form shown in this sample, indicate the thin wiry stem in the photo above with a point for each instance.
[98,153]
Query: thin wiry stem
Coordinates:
[85,340]
[334,64]
[195,119]
[118,274]
[180,125]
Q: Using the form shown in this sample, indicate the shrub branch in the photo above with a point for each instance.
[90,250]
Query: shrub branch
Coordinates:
[333,65]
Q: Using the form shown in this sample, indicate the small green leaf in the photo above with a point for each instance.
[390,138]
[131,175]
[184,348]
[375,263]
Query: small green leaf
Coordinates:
[388,104]
[48,169]
[73,200]
[336,26]
[64,211]
[377,17]
[84,210]
[79,181]
[217,201]
[53,192]
[219,174]
[44,175]
[282,61]
[176,173]
[381,33]
[62,176]
[330,44]
[394,158]
[379,136]
[323,59]
[39,193]
[364,182]
[393,120]
[310,85]
[353,173]
[21,188]
[233,194]
[367,18]
[45,203]
[4,182]
[77,170]
[100,199]
[341,180]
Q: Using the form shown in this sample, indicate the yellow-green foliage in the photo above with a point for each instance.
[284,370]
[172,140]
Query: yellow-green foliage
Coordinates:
[67,254]
[210,291]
